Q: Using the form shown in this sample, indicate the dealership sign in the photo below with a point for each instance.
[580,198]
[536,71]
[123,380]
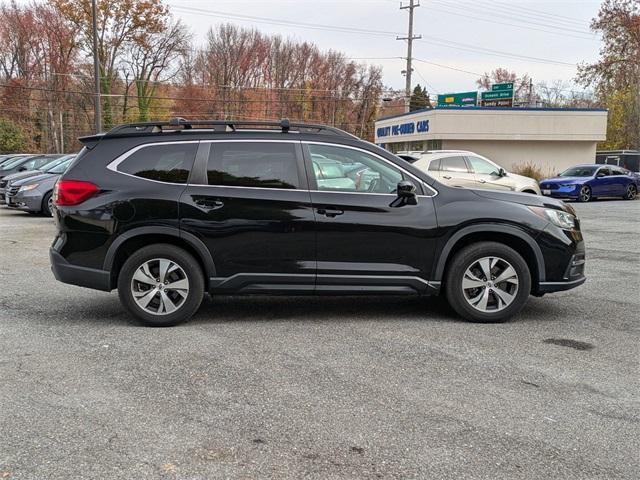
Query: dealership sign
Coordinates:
[407,128]
[465,99]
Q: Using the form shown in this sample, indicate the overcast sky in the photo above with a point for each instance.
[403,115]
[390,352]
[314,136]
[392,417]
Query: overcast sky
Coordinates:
[552,30]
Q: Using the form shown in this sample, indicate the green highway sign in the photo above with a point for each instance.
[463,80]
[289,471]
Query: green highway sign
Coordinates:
[502,86]
[465,99]
[493,95]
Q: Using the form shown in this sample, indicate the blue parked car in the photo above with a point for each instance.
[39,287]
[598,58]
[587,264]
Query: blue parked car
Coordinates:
[584,182]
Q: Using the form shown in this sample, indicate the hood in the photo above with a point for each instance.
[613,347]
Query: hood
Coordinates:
[35,178]
[558,180]
[20,175]
[521,178]
[522,198]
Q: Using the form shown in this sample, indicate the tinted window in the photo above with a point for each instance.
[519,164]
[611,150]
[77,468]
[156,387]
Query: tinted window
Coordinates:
[453,164]
[253,164]
[586,171]
[604,172]
[348,170]
[482,167]
[165,163]
[617,171]
[434,166]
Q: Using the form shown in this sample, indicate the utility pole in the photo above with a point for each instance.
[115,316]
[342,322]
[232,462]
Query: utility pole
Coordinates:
[409,38]
[530,91]
[96,70]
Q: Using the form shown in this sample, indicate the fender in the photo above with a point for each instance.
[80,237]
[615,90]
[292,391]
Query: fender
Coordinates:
[489,227]
[192,240]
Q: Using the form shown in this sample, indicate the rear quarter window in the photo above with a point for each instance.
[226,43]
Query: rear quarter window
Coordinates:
[169,163]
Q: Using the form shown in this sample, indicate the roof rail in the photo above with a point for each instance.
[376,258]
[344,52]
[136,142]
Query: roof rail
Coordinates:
[179,123]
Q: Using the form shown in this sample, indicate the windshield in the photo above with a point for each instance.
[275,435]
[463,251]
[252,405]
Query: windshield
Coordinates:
[13,163]
[49,165]
[588,171]
[62,167]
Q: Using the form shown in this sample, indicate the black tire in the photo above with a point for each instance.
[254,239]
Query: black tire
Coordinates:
[189,266]
[464,259]
[46,205]
[585,194]
[630,192]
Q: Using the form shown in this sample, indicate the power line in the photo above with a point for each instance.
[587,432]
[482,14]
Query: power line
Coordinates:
[341,29]
[563,31]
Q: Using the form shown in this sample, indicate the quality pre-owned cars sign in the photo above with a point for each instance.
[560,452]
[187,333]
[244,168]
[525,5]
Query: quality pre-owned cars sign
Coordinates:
[406,128]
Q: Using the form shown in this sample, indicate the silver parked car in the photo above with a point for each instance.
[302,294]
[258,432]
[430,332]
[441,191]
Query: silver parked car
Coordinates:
[459,168]
[55,160]
[35,194]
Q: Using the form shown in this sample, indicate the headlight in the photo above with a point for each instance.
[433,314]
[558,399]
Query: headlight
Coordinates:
[26,188]
[557,217]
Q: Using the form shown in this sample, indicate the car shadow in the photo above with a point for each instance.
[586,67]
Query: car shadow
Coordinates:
[221,309]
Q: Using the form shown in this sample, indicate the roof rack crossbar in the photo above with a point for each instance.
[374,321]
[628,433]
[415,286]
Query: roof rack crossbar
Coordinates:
[220,126]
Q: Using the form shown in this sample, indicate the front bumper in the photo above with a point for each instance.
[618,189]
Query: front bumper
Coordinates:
[550,287]
[561,191]
[80,276]
[30,201]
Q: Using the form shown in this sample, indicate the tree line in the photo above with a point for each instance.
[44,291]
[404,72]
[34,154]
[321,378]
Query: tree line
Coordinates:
[151,68]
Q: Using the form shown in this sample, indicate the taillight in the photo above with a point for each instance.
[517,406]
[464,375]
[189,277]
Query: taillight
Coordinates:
[73,192]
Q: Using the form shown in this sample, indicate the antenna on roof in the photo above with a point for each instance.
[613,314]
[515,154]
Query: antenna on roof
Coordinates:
[285,125]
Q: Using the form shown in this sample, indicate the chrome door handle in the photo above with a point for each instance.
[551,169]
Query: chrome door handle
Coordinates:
[447,177]
[482,181]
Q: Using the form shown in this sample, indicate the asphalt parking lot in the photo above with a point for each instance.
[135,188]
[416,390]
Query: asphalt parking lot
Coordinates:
[322,388]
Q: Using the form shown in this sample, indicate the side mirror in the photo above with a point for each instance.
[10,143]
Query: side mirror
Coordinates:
[502,172]
[22,169]
[406,194]
[601,174]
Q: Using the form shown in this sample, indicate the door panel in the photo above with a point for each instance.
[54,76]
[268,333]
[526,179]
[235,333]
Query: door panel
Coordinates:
[257,235]
[363,241]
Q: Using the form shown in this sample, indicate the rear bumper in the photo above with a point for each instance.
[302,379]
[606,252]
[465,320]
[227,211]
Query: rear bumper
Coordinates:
[80,276]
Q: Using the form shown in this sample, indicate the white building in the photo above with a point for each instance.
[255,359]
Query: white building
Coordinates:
[551,138]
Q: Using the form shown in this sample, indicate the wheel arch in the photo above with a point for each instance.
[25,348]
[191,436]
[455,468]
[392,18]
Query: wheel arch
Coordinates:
[137,238]
[508,235]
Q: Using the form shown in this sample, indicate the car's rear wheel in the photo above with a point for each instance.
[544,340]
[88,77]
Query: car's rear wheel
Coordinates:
[162,285]
[585,194]
[630,192]
[487,282]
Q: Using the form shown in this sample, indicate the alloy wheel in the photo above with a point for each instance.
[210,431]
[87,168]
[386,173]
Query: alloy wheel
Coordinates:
[160,286]
[490,284]
[631,192]
[50,205]
[585,194]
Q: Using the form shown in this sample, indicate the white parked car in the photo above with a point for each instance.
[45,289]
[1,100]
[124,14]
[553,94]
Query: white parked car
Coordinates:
[459,168]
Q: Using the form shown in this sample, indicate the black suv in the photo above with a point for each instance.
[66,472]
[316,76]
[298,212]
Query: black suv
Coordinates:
[167,211]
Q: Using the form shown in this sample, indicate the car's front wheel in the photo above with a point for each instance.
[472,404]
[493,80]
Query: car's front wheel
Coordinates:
[487,282]
[630,192]
[162,285]
[585,194]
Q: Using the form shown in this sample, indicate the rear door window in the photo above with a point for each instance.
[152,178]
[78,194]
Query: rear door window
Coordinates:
[434,166]
[169,162]
[453,164]
[254,164]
